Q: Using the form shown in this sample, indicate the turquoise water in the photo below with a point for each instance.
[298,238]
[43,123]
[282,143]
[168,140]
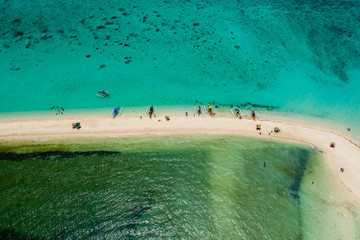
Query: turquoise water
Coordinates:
[296,57]
[193,188]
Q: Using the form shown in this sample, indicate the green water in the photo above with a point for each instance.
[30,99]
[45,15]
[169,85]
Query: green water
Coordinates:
[161,188]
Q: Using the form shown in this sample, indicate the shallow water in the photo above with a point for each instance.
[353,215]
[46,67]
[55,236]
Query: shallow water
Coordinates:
[297,57]
[213,187]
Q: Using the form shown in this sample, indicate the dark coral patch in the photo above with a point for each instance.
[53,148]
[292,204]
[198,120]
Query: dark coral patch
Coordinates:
[18,34]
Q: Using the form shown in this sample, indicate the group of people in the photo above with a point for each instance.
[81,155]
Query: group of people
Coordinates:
[209,109]
[103,93]
[198,111]
[237,111]
[76,125]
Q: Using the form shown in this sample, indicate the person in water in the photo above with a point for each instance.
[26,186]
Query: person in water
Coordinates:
[151,111]
[237,112]
[199,110]
[116,112]
[253,114]
[210,109]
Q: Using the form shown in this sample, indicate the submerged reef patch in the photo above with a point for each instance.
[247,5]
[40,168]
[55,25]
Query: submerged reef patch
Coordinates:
[295,186]
[10,156]
[267,107]
[11,234]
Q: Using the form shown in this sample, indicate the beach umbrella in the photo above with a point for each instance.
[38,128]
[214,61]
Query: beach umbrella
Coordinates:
[77,124]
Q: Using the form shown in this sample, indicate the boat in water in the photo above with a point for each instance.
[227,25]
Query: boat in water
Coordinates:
[103,93]
[117,111]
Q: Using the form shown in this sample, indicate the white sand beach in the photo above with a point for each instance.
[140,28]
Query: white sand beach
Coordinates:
[346,153]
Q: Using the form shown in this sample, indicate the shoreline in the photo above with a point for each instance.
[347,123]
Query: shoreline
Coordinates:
[180,110]
[344,155]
